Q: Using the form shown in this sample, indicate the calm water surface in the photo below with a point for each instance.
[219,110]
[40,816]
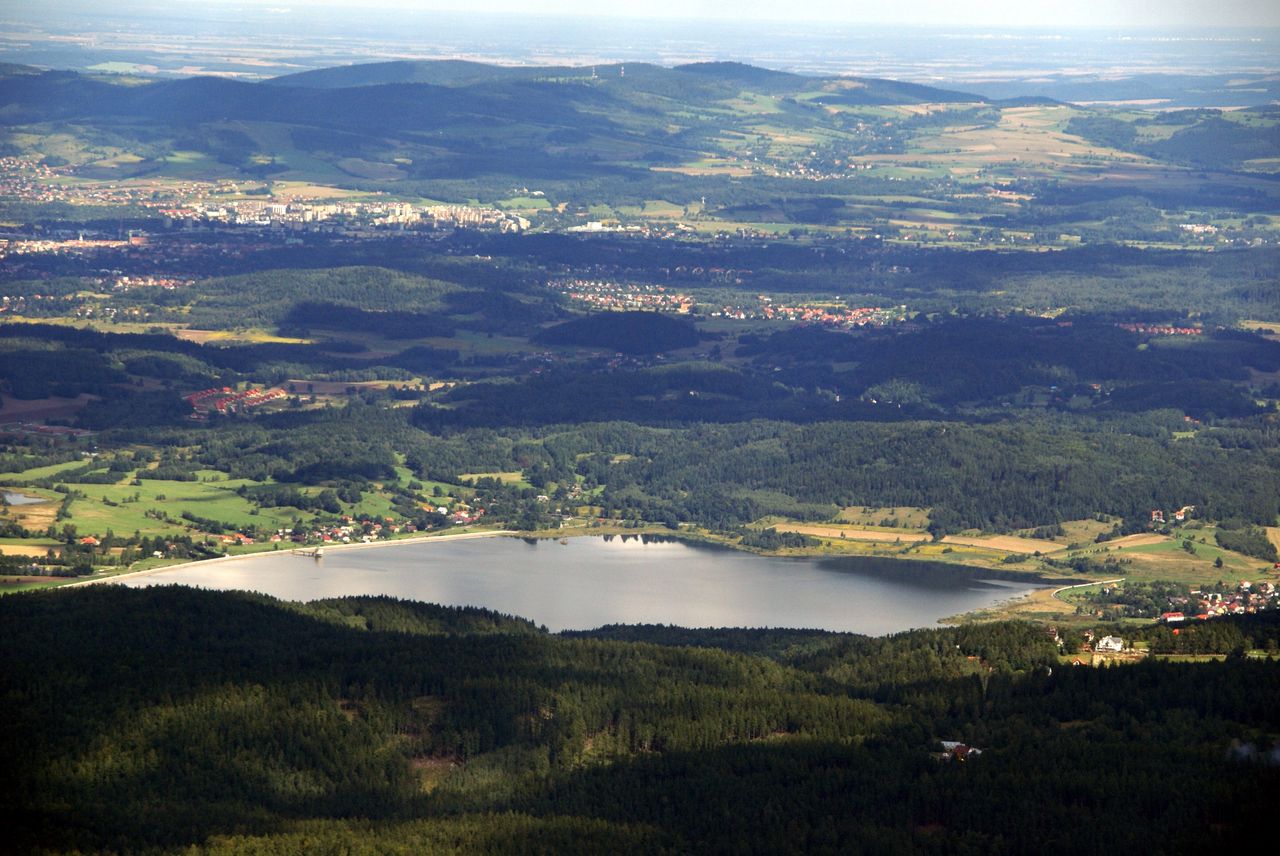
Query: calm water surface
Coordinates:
[14,498]
[589,582]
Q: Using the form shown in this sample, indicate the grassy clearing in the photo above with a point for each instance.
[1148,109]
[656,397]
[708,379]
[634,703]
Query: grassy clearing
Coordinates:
[252,335]
[337,387]
[1273,533]
[1271,328]
[307,190]
[662,209]
[125,507]
[1081,531]
[515,477]
[1160,557]
[707,167]
[868,516]
[523,203]
[843,533]
[114,507]
[27,476]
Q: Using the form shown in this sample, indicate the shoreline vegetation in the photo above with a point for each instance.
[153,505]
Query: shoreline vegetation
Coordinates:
[1004,557]
[1042,605]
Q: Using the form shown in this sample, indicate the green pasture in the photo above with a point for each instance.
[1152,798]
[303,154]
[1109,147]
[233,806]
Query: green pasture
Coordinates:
[212,500]
[36,473]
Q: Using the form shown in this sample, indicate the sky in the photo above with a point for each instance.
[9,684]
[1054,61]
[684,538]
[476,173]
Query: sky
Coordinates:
[1006,13]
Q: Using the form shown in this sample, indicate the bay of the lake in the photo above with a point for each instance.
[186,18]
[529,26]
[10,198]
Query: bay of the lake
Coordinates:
[587,582]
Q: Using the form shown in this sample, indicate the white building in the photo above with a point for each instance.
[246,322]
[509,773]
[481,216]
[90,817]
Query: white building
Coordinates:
[1112,644]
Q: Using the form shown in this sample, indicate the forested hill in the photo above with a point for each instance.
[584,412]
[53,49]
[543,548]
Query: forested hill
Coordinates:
[690,80]
[389,97]
[626,332]
[170,718]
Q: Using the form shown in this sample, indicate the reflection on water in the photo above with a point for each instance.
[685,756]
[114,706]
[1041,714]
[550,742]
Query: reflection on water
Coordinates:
[581,583]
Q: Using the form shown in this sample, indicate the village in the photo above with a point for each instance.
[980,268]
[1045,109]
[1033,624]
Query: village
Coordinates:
[366,530]
[358,529]
[612,295]
[1202,604]
[1162,329]
[605,294]
[225,400]
[1179,611]
[829,315]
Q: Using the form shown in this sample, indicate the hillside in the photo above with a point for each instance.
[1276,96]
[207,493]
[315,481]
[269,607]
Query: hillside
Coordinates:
[439,72]
[715,145]
[435,120]
[641,76]
[171,718]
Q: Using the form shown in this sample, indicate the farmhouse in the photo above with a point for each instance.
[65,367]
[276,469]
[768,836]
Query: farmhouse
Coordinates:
[1112,644]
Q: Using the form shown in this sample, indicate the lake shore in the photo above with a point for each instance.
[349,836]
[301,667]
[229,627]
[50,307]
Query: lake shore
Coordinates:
[417,539]
[583,583]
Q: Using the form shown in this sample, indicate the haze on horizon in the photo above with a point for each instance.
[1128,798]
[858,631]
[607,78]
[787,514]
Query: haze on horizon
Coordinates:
[962,44]
[1004,14]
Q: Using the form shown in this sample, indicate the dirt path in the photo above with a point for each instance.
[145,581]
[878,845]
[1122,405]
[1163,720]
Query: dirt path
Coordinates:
[1058,591]
[1140,540]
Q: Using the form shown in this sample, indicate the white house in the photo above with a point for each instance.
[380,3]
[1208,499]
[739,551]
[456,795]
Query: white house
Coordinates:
[1109,643]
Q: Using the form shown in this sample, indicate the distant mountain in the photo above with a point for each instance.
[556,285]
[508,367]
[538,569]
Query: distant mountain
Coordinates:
[693,80]
[749,75]
[1157,90]
[9,69]
[1027,101]
[391,98]
[376,109]
[461,73]
[447,72]
[449,119]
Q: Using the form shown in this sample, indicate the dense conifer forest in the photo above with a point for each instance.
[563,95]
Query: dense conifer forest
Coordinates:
[169,718]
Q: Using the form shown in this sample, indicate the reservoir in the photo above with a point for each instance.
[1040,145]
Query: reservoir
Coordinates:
[14,498]
[586,582]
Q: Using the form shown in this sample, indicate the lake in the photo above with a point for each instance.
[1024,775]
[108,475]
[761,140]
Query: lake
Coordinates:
[587,582]
[14,498]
